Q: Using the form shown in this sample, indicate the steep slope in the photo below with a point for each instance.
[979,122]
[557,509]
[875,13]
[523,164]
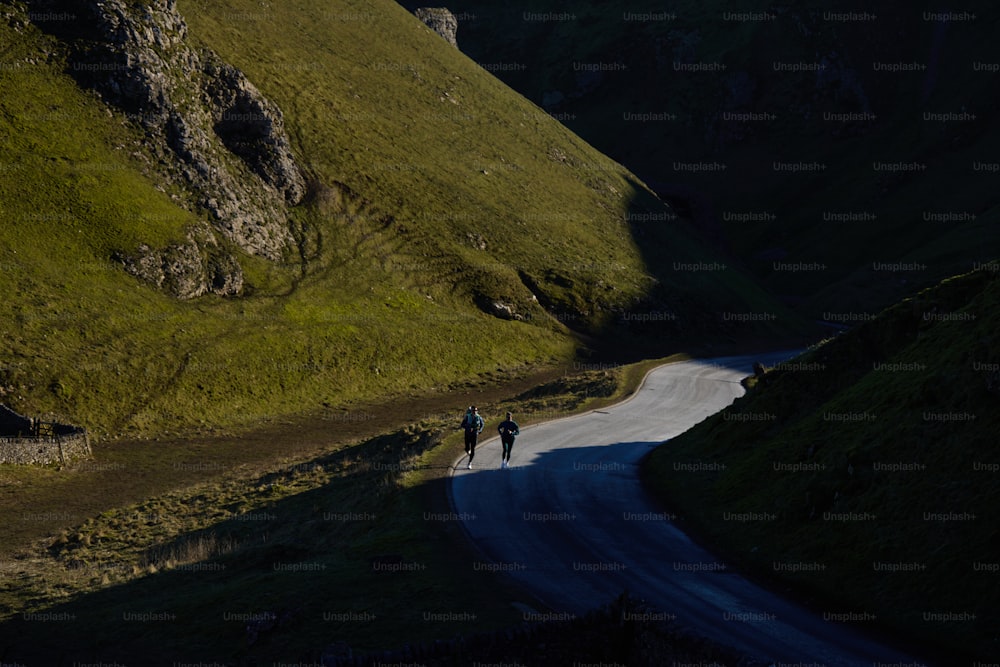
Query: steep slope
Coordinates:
[449,228]
[846,156]
[865,471]
[208,133]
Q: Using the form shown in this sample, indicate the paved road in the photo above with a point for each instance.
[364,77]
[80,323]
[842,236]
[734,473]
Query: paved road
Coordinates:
[570,522]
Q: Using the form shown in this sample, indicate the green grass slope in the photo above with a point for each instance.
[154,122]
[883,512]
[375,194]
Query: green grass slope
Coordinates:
[616,76]
[437,191]
[865,471]
[345,541]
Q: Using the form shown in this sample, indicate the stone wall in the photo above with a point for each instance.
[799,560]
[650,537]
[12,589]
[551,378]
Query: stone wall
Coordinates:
[40,451]
[31,441]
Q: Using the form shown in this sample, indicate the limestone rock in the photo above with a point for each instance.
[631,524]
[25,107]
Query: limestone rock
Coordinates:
[209,132]
[504,311]
[188,269]
[253,128]
[441,21]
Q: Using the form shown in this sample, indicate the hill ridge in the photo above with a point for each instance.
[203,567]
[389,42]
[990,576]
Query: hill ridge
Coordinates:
[449,229]
[869,456]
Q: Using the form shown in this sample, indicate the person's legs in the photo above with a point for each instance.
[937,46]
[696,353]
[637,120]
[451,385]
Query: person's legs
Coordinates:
[470,444]
[507,444]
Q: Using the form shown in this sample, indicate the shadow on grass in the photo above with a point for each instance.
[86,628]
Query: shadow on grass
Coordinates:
[331,553]
[340,552]
[346,557]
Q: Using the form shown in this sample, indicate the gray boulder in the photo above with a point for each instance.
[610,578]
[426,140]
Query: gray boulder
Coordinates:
[441,21]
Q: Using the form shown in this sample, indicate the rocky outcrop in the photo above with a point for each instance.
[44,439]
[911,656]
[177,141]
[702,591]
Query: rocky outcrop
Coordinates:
[209,132]
[441,21]
[189,269]
[504,311]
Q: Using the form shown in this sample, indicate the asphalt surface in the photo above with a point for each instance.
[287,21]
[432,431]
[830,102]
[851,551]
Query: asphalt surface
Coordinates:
[570,522]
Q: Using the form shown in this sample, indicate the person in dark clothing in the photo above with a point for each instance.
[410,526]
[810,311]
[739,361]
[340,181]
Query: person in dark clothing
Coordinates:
[508,431]
[473,425]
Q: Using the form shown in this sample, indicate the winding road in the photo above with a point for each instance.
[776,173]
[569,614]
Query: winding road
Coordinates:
[570,522]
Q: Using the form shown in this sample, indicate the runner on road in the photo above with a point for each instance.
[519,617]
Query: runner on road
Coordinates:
[508,431]
[473,425]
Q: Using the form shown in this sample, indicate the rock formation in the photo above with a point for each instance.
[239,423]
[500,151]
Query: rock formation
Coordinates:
[441,21]
[188,269]
[208,131]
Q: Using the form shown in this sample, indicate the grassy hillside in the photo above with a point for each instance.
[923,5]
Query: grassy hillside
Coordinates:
[437,192]
[896,182]
[346,542]
[864,472]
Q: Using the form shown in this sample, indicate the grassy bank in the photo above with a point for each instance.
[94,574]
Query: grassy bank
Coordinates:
[348,542]
[863,473]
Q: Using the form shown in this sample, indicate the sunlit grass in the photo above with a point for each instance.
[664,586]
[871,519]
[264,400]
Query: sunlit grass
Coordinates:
[437,192]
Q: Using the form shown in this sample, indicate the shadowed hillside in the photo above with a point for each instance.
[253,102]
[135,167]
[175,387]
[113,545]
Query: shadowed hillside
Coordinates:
[865,470]
[846,155]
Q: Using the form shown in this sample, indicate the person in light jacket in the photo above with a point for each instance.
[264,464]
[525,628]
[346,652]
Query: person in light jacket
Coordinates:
[473,425]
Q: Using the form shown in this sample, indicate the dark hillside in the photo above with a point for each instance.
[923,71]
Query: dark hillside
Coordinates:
[847,156]
[872,460]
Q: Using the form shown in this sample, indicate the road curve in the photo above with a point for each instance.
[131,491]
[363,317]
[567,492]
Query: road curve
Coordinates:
[571,523]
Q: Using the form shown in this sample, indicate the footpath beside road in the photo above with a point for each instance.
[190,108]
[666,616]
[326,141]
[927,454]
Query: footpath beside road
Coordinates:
[38,502]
